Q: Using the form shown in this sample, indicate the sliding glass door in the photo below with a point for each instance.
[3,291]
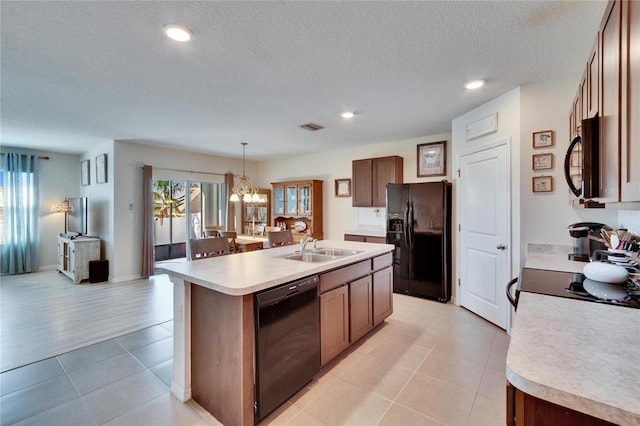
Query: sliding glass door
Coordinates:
[179,217]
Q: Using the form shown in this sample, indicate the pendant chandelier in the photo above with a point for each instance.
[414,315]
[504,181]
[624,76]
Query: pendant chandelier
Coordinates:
[242,189]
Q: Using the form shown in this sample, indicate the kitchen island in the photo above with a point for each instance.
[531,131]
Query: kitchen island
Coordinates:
[575,359]
[221,289]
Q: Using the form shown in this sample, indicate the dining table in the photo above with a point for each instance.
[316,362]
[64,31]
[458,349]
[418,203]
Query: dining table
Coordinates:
[250,242]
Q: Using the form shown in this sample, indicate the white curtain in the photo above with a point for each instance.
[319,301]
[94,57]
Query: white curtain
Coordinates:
[21,218]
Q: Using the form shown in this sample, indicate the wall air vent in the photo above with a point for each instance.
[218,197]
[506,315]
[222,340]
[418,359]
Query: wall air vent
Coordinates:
[312,127]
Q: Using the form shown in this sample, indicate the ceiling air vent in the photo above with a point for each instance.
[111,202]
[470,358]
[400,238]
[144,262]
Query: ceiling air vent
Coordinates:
[312,127]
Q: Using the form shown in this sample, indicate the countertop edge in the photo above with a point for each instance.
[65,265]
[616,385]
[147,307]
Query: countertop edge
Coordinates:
[525,364]
[292,271]
[572,401]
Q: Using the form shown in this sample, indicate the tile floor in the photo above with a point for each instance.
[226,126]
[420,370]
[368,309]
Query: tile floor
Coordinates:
[428,364]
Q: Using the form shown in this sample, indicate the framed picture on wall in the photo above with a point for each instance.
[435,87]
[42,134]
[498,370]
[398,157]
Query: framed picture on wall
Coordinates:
[542,183]
[543,139]
[101,168]
[343,187]
[432,159]
[542,161]
[84,173]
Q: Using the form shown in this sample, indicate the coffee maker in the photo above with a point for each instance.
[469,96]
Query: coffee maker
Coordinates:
[583,246]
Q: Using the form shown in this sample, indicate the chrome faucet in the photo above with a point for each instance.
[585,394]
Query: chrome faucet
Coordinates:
[307,239]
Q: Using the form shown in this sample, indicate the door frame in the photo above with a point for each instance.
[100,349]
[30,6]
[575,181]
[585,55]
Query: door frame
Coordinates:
[458,283]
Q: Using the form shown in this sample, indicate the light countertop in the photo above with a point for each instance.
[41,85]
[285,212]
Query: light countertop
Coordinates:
[246,273]
[368,232]
[581,355]
[552,262]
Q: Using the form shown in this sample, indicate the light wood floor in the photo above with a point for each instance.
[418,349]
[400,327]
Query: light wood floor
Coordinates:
[44,314]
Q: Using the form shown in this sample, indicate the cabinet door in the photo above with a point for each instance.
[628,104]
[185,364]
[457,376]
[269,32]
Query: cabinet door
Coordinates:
[351,237]
[360,312]
[361,183]
[592,81]
[630,155]
[278,200]
[385,170]
[304,199]
[382,295]
[291,202]
[609,105]
[334,323]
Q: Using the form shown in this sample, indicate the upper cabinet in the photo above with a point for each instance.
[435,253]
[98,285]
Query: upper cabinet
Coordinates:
[370,177]
[609,104]
[298,205]
[610,88]
[630,128]
[256,213]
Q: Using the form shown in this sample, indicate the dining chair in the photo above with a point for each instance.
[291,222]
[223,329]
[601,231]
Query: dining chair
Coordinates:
[212,230]
[208,247]
[231,238]
[259,230]
[279,238]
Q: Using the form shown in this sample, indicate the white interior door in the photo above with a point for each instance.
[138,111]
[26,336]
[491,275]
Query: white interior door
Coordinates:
[484,223]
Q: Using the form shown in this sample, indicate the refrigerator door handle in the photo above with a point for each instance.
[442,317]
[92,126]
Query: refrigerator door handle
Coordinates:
[405,226]
[410,224]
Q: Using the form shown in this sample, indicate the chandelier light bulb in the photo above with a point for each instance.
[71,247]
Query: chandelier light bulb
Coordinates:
[243,188]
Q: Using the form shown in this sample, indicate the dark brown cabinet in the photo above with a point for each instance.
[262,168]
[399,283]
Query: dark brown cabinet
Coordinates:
[610,88]
[364,238]
[334,323]
[526,410]
[382,294]
[353,300]
[360,307]
[370,177]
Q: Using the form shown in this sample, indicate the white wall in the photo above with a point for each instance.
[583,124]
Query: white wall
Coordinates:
[508,108]
[100,199]
[545,106]
[338,214]
[59,178]
[129,158]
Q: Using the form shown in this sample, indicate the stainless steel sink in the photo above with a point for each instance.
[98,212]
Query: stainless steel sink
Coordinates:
[309,257]
[336,252]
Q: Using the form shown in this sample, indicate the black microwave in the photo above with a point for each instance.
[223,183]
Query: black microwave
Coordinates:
[582,162]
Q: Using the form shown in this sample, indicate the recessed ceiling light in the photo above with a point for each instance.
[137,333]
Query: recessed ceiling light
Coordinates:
[177,32]
[348,114]
[476,84]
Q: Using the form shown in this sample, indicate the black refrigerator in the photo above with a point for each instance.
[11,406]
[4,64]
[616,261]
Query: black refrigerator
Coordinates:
[419,226]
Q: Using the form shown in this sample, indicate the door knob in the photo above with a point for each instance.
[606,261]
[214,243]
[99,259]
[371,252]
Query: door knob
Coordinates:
[501,247]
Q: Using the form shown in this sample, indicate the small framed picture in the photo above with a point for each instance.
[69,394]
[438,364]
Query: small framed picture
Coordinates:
[542,183]
[542,161]
[101,168]
[432,159]
[343,187]
[85,176]
[543,139]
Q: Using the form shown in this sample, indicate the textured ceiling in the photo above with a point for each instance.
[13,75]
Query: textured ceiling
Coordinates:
[74,74]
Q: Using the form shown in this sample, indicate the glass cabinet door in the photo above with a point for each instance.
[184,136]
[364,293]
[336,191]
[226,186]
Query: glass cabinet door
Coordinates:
[278,200]
[304,199]
[292,202]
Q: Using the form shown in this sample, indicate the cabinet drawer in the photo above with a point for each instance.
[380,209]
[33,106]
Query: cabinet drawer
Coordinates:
[382,261]
[344,275]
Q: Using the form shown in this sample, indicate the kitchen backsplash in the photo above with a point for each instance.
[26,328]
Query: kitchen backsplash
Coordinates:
[630,220]
[370,217]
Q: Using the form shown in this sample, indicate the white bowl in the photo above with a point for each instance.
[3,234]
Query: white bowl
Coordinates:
[604,290]
[605,272]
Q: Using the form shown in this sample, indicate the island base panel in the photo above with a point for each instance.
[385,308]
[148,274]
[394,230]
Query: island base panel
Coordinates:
[221,328]
[527,410]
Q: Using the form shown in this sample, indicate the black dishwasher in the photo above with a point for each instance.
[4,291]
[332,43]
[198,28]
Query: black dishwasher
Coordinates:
[287,322]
